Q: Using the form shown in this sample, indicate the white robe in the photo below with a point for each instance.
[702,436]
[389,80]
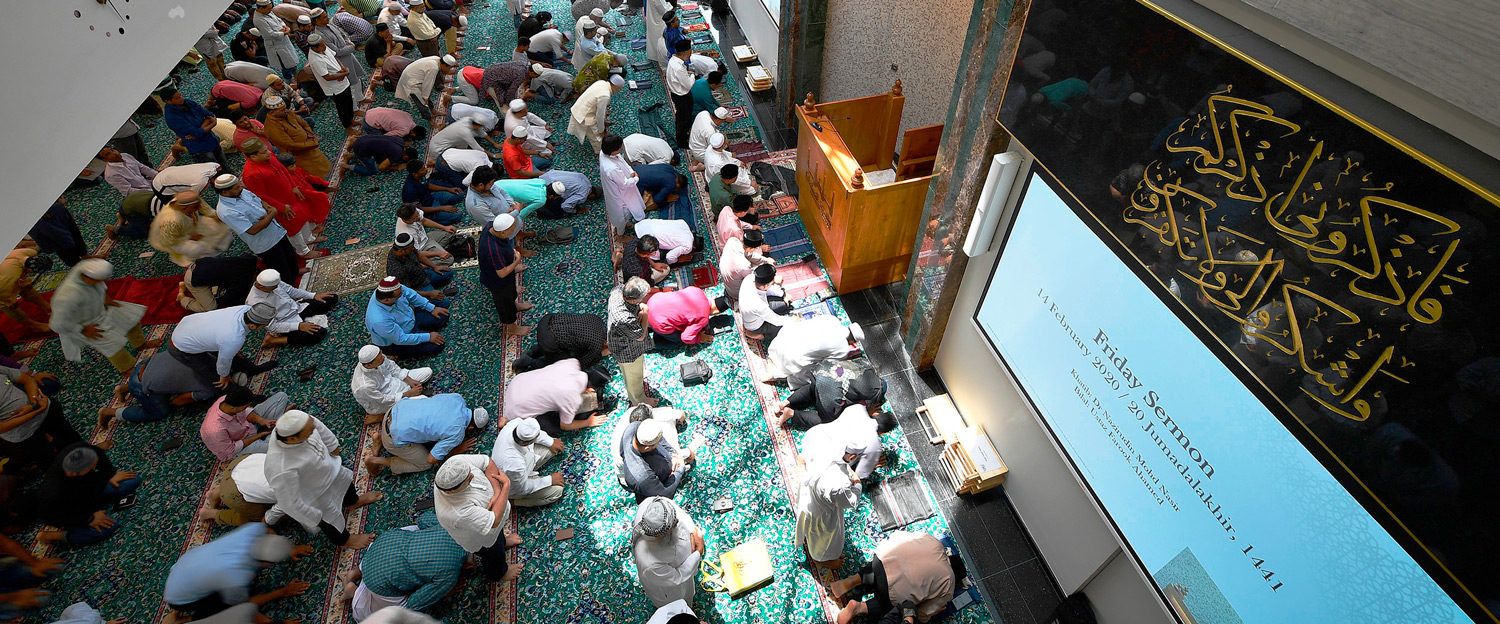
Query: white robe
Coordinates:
[418,78]
[377,390]
[656,45]
[821,502]
[668,566]
[855,429]
[802,344]
[622,198]
[536,128]
[589,112]
[715,159]
[308,480]
[76,304]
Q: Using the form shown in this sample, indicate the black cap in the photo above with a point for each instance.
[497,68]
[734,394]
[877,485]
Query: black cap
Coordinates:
[754,238]
[765,274]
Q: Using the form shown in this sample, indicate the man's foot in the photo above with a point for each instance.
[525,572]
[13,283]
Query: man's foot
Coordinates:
[150,344]
[526,253]
[121,389]
[26,353]
[106,414]
[517,330]
[522,306]
[359,541]
[272,340]
[850,611]
[366,499]
[843,586]
[348,593]
[512,540]
[256,369]
[111,232]
[376,464]
[106,445]
[512,573]
[207,513]
[49,537]
[582,210]
[318,239]
[784,415]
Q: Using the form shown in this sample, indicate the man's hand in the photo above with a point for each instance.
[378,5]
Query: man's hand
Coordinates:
[29,598]
[294,588]
[557,446]
[298,192]
[43,565]
[307,328]
[437,339]
[557,479]
[121,476]
[413,391]
[111,302]
[322,297]
[101,521]
[516,206]
[698,541]
[463,447]
[92,331]
[440,312]
[449,229]
[222,383]
[301,550]
[208,124]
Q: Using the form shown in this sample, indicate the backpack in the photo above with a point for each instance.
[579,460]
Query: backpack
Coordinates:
[461,246]
[695,372]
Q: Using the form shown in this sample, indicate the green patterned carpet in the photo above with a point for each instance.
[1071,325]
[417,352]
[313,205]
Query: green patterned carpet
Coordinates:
[588,579]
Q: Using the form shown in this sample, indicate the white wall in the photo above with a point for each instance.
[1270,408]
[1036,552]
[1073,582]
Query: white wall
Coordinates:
[1068,529]
[760,30]
[69,88]
[864,38]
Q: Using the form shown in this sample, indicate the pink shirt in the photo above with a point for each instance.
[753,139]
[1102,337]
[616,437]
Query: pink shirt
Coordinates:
[246,96]
[685,310]
[391,121]
[224,434]
[729,226]
[554,388]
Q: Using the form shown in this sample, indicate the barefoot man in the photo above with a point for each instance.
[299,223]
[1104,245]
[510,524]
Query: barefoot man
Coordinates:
[310,483]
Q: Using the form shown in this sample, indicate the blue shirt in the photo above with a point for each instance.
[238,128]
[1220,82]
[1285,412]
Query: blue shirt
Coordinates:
[439,420]
[673,35]
[484,207]
[658,180]
[592,47]
[392,324]
[187,121]
[415,190]
[223,566]
[240,213]
[495,253]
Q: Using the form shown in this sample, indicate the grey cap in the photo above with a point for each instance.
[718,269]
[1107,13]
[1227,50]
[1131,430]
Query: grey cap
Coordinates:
[656,517]
[260,314]
[79,460]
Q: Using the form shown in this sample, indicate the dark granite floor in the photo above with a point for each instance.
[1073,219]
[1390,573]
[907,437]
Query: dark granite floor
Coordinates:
[1016,584]
[762,106]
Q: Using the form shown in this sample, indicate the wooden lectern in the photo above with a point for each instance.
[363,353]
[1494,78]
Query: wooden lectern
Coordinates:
[863,230]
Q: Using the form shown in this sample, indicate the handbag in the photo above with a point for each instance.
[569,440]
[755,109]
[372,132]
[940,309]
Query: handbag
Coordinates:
[695,372]
[461,246]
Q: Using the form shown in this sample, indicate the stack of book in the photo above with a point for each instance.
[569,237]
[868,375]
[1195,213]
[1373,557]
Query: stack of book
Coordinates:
[760,79]
[744,54]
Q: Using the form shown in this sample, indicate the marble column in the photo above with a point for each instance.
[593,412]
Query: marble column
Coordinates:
[804,24]
[971,136]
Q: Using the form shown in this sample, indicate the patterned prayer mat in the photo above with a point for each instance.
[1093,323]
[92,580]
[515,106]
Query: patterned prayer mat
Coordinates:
[361,269]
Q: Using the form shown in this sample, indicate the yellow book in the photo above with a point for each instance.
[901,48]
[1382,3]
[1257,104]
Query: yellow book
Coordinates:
[747,567]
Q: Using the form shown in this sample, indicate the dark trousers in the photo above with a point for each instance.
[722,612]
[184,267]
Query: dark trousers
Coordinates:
[424,322]
[872,581]
[344,102]
[81,535]
[684,106]
[504,297]
[430,47]
[202,607]
[301,338]
[205,365]
[217,155]
[281,257]
[492,558]
[39,450]
[334,535]
[135,226]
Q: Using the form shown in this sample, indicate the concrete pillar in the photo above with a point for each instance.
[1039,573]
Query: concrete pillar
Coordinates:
[804,24]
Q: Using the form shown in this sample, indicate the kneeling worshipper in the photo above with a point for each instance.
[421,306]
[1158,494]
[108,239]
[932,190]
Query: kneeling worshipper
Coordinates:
[741,256]
[421,431]
[309,482]
[588,118]
[242,493]
[644,149]
[563,335]
[17,281]
[187,230]
[722,191]
[33,427]
[662,187]
[301,316]
[677,244]
[854,431]
[301,208]
[681,317]
[256,224]
[909,570]
[210,578]
[472,499]
[638,258]
[239,422]
[705,126]
[566,192]
[76,492]
[378,383]
[651,465]
[717,157]
[209,343]
[158,384]
[403,323]
[675,613]
[737,216]
[835,386]
[561,396]
[668,547]
[623,203]
[763,308]
[213,283]
[520,447]
[83,314]
[828,489]
[806,343]
[412,567]
[538,131]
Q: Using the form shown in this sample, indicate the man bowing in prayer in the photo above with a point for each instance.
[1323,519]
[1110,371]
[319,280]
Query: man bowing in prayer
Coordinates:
[301,316]
[804,344]
[378,383]
[187,230]
[421,431]
[589,117]
[471,497]
[623,203]
[310,483]
[668,547]
[828,489]
[83,314]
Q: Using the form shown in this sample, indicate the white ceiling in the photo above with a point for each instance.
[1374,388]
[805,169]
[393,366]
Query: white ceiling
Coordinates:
[68,88]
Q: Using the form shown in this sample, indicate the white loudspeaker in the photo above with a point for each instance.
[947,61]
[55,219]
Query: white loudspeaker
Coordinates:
[997,187]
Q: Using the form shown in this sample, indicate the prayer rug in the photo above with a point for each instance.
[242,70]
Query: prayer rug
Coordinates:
[804,280]
[158,294]
[788,241]
[900,500]
[738,112]
[361,269]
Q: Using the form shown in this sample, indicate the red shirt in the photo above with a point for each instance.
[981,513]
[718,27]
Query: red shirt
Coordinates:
[241,135]
[247,96]
[474,75]
[685,310]
[515,160]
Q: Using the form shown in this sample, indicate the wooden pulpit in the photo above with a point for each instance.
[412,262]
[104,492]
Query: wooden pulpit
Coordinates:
[861,214]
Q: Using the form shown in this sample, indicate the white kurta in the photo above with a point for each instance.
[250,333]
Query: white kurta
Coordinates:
[76,305]
[377,390]
[590,111]
[278,47]
[536,128]
[466,513]
[622,198]
[802,344]
[656,45]
[289,302]
[821,502]
[715,159]
[308,480]
[418,78]
[668,566]
[703,128]
[250,479]
[855,429]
